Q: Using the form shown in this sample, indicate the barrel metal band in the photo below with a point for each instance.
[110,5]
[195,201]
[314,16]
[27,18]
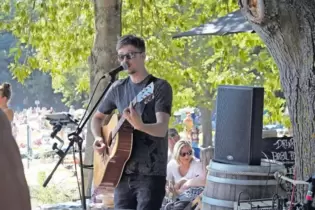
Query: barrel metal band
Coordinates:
[245,173]
[241,182]
[266,168]
[217,202]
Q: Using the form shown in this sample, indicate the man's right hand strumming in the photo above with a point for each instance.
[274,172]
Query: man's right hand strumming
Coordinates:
[99,146]
[97,121]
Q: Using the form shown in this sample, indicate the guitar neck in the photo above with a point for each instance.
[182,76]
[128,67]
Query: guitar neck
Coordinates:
[122,119]
[146,93]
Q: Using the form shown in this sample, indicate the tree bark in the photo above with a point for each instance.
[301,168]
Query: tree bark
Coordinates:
[101,60]
[288,30]
[206,123]
[205,105]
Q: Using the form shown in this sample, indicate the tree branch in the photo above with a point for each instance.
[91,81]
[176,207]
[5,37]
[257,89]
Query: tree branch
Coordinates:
[29,33]
[254,9]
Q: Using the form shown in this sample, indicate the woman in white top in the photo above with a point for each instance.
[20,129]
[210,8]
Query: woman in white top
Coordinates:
[184,169]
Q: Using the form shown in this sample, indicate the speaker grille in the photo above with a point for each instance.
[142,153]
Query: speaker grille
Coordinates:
[239,117]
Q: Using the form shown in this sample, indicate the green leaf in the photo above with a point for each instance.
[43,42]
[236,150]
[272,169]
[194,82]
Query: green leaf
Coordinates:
[63,32]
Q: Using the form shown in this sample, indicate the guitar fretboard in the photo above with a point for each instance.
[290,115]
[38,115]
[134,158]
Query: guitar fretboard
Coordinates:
[122,119]
[147,91]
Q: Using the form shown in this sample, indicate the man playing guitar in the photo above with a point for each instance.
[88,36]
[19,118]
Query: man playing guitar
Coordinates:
[142,185]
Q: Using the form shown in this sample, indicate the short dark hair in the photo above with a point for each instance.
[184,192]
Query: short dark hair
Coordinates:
[135,41]
[5,90]
[172,132]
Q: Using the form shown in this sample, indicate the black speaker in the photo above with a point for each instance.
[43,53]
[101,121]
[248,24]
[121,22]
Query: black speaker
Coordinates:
[239,124]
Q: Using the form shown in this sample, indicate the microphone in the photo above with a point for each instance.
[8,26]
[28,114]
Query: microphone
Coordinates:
[113,72]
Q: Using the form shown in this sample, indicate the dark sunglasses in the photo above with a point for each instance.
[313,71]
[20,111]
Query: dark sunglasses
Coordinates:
[183,154]
[172,135]
[128,56]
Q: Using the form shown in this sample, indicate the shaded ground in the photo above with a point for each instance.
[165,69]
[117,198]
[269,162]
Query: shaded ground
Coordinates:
[62,187]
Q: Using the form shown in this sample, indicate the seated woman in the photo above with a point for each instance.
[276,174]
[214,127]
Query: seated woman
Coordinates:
[187,173]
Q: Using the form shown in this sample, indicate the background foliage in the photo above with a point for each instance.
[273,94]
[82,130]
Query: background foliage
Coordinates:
[56,37]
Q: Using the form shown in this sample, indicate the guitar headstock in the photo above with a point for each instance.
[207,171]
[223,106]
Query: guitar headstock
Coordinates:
[146,94]
[148,99]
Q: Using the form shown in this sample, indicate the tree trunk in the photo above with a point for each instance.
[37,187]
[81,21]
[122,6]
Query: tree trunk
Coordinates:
[101,60]
[206,123]
[288,30]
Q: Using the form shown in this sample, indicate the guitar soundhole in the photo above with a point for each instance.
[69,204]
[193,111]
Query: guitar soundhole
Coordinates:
[110,140]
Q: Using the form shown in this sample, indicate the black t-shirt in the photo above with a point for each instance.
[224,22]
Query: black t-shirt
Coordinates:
[149,154]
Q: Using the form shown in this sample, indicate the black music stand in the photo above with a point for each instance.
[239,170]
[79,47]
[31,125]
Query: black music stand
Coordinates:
[75,136]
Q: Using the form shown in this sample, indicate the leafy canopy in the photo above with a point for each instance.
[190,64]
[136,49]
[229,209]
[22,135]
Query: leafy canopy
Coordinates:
[49,35]
[195,66]
[56,37]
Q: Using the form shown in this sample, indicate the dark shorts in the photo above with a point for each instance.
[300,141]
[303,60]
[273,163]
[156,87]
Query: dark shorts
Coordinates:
[140,192]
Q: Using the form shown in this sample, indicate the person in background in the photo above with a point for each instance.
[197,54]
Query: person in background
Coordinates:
[184,168]
[194,136]
[72,110]
[189,124]
[14,192]
[14,130]
[5,96]
[173,137]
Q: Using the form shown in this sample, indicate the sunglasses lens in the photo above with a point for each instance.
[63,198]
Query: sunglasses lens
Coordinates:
[186,153]
[121,57]
[127,56]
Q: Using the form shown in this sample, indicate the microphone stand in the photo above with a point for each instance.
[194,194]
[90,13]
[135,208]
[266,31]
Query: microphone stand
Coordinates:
[75,138]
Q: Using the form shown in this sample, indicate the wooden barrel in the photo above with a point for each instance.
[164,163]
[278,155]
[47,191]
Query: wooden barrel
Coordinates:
[225,182]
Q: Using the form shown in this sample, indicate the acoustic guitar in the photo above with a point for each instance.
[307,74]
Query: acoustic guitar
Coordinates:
[118,135]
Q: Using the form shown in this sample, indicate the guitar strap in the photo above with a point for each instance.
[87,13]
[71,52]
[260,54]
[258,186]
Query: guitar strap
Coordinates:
[151,79]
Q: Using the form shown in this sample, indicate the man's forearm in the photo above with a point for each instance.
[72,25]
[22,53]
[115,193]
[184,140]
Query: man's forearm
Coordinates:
[155,129]
[96,125]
